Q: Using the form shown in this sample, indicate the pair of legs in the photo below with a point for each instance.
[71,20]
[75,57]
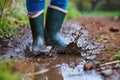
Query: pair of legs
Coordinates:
[55,15]
[38,5]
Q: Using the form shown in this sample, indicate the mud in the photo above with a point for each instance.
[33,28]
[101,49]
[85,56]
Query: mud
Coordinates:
[64,67]
[81,35]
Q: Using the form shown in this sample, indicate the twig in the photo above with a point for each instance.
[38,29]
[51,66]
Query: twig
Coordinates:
[39,72]
[36,73]
[108,63]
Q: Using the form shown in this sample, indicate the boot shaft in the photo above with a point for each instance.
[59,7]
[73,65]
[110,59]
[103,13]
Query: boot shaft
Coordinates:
[37,23]
[37,26]
[54,20]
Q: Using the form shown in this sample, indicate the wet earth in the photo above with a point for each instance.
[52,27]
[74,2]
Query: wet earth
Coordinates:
[93,41]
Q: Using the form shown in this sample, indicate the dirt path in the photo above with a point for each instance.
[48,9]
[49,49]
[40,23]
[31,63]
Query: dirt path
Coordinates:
[95,40]
[107,27]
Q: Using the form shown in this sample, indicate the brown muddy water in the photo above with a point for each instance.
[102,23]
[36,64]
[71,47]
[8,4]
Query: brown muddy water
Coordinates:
[64,67]
[68,66]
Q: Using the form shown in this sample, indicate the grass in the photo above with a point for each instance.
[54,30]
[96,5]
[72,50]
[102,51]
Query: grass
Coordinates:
[6,73]
[101,38]
[73,13]
[102,13]
[117,55]
[12,17]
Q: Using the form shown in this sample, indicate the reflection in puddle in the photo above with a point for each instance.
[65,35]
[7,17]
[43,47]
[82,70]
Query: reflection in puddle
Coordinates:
[77,73]
[62,68]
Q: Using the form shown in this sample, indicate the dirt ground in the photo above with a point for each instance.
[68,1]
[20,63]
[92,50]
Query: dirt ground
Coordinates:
[103,26]
[100,30]
[97,26]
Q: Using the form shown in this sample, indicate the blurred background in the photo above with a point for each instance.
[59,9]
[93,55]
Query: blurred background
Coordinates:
[13,12]
[98,5]
[102,7]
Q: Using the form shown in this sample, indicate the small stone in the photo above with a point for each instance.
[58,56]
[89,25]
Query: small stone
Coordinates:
[97,53]
[113,29]
[91,57]
[107,72]
[88,66]
[49,47]
[102,68]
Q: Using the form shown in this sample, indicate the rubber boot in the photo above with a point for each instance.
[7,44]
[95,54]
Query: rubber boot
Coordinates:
[54,20]
[37,28]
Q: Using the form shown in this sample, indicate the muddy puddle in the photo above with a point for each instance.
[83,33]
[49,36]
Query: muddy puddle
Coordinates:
[64,67]
[68,66]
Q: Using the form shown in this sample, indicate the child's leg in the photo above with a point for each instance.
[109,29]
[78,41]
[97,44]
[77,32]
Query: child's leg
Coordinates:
[36,18]
[34,6]
[59,3]
[55,16]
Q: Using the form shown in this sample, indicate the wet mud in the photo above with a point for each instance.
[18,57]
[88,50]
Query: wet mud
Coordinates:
[82,50]
[64,67]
